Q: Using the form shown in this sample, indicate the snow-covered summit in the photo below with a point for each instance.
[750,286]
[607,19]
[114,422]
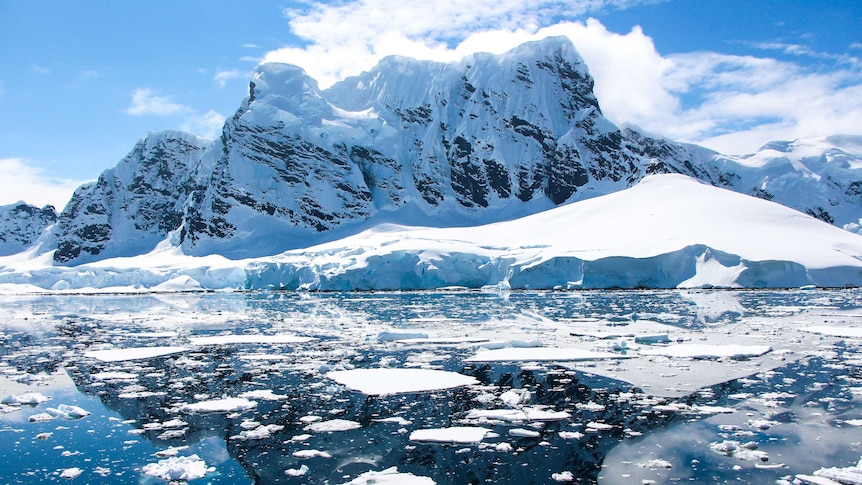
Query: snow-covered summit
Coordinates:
[21,225]
[486,139]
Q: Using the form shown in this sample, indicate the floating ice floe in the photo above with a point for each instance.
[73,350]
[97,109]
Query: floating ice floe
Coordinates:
[514,415]
[133,353]
[389,476]
[845,332]
[740,451]
[563,476]
[333,425]
[40,418]
[455,434]
[177,468]
[66,411]
[264,394]
[306,454]
[442,340]
[259,432]
[70,473]
[851,475]
[114,376]
[30,398]
[377,382]
[248,339]
[540,354]
[707,351]
[227,405]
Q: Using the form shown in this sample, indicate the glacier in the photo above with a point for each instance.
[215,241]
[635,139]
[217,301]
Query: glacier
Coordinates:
[668,231]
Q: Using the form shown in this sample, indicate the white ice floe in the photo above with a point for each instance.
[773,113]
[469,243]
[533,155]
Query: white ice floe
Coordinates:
[741,451]
[376,382]
[133,353]
[524,433]
[306,454]
[40,418]
[227,405]
[455,434]
[390,476]
[851,475]
[845,332]
[515,415]
[248,339]
[31,398]
[66,411]
[177,468]
[540,354]
[70,473]
[297,472]
[564,476]
[332,425]
[264,395]
[113,376]
[708,351]
[259,432]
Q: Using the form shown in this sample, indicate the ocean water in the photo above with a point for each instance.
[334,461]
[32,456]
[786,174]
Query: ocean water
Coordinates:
[632,416]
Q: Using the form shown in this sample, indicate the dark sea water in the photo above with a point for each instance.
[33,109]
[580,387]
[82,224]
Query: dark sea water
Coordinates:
[640,419]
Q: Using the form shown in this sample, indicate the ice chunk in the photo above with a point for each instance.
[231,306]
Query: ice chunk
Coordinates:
[707,351]
[71,473]
[248,339]
[306,454]
[389,476]
[540,354]
[456,434]
[523,414]
[133,353]
[177,468]
[846,332]
[333,425]
[31,398]
[376,382]
[66,411]
[227,405]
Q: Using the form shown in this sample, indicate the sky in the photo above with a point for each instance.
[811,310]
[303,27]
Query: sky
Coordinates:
[81,82]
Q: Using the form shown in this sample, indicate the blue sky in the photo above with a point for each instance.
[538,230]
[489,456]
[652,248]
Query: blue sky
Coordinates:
[81,82]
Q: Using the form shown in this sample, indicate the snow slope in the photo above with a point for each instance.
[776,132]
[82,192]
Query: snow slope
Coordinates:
[668,231]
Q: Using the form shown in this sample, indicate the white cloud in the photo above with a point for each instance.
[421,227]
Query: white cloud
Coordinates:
[146,102]
[39,69]
[221,78]
[206,125]
[23,181]
[730,103]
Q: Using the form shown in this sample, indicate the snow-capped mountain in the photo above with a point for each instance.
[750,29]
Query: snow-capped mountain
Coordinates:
[134,205]
[21,225]
[483,139]
[486,139]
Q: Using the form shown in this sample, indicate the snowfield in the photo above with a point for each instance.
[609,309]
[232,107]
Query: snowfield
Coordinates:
[669,231]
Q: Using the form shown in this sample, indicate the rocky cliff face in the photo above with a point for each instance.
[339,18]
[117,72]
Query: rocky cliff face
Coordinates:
[484,139]
[134,205]
[21,225]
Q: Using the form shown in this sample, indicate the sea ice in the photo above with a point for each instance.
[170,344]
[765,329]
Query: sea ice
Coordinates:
[31,398]
[177,468]
[522,414]
[456,434]
[133,353]
[248,339]
[71,473]
[846,332]
[389,476]
[376,382]
[227,405]
[332,425]
[66,411]
[851,475]
[306,454]
[707,351]
[540,354]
